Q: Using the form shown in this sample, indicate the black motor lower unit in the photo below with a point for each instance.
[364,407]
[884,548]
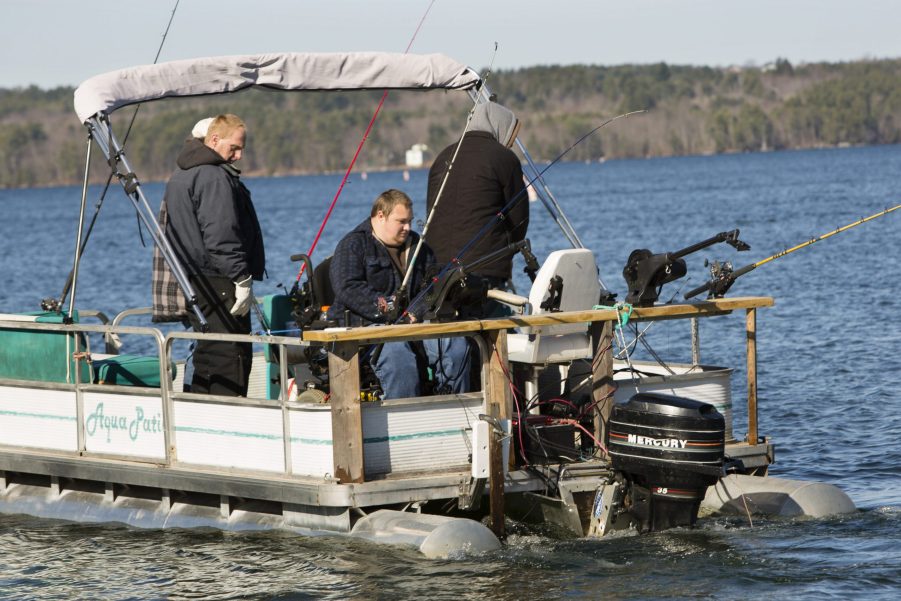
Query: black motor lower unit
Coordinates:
[666,451]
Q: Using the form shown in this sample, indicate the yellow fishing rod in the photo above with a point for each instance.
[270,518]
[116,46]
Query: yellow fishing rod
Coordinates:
[724,276]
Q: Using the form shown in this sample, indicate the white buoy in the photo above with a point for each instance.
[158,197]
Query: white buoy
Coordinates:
[436,536]
[739,494]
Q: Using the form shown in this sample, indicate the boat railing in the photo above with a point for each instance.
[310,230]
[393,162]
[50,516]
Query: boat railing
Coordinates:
[278,449]
[343,347]
[344,404]
[210,429]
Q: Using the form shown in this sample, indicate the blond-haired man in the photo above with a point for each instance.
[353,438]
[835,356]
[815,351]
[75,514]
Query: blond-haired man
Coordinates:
[210,221]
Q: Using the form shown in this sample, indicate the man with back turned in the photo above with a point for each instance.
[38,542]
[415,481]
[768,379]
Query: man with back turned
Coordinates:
[484,180]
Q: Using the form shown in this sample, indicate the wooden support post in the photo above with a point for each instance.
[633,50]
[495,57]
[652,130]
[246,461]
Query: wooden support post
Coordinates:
[497,405]
[347,421]
[602,387]
[695,341]
[751,327]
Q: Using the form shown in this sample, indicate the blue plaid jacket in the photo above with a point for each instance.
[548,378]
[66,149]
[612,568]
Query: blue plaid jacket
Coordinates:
[361,271]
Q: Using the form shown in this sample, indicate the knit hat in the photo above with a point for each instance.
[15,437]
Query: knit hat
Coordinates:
[201,127]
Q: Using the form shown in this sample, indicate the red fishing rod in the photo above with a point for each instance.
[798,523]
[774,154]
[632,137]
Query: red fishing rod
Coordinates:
[359,149]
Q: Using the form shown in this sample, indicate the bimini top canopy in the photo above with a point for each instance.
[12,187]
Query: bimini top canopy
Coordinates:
[108,92]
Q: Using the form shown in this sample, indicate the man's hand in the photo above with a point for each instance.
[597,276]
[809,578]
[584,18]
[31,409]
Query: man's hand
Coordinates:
[243,297]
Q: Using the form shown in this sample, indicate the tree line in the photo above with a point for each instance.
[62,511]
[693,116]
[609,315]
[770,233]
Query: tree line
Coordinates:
[690,110]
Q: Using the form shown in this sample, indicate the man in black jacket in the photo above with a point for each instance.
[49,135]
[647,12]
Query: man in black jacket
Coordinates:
[485,180]
[366,272]
[210,221]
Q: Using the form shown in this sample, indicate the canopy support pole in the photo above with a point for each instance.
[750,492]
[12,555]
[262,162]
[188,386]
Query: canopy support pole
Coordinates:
[84,200]
[102,131]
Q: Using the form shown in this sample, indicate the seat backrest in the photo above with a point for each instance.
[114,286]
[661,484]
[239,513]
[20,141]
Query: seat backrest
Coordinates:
[322,284]
[581,288]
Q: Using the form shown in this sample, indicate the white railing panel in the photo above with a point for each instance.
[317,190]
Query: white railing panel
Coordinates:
[38,418]
[124,425]
[229,436]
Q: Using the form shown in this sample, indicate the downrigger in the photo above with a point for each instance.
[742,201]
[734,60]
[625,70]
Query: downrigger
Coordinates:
[646,273]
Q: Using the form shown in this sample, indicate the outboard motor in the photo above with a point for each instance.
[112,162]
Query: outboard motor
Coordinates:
[665,450]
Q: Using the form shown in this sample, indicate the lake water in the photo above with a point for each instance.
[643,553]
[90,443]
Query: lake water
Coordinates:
[829,356]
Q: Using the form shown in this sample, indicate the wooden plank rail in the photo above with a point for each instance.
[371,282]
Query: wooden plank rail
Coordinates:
[498,401]
[709,308]
[751,332]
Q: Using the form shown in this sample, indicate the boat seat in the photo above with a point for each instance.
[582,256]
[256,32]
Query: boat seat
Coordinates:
[130,370]
[581,290]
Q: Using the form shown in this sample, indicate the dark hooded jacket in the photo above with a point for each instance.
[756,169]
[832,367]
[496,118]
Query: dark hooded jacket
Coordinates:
[361,271]
[485,177]
[212,224]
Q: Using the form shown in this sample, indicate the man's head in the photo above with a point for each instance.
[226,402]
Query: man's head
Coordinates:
[391,216]
[497,120]
[226,136]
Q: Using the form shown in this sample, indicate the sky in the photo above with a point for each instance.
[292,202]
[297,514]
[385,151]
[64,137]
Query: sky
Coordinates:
[50,43]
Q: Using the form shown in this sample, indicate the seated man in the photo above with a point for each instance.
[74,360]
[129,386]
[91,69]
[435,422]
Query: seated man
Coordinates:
[366,272]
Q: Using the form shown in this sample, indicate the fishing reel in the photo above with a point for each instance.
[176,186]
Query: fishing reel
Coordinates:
[51,305]
[458,293]
[721,277]
[646,273]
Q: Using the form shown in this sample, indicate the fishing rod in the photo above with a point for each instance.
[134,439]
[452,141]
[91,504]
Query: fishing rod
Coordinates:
[403,286]
[51,304]
[724,276]
[542,192]
[502,213]
[353,161]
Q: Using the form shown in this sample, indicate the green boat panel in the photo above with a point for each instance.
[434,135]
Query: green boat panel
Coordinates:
[41,355]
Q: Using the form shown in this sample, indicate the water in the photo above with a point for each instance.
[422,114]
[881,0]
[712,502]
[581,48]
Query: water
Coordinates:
[829,375]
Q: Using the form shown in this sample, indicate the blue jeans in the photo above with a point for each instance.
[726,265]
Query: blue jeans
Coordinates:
[396,368]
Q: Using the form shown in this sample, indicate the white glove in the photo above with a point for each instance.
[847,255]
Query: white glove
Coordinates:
[243,297]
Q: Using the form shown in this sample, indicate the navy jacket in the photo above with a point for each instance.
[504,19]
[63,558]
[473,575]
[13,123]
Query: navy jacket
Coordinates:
[212,224]
[361,271]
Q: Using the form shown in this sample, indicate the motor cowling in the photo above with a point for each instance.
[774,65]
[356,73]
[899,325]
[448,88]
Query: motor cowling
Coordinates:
[666,450]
